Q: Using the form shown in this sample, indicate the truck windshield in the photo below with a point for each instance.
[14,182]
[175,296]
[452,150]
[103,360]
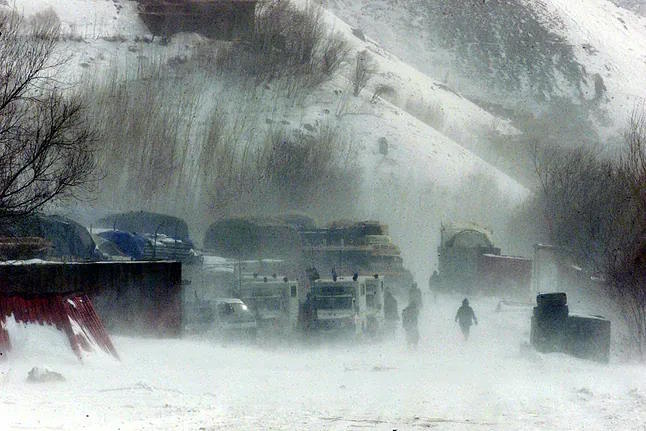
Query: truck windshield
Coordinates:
[225,309]
[333,302]
[333,289]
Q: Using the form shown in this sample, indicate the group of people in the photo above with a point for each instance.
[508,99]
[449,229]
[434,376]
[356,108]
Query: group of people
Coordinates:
[465,315]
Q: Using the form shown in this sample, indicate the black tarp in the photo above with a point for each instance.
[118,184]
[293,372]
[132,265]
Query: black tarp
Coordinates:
[69,240]
[253,238]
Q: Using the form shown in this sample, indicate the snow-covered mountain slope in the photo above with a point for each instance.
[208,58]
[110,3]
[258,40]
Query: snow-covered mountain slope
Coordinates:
[638,6]
[421,156]
[519,53]
[87,19]
[607,40]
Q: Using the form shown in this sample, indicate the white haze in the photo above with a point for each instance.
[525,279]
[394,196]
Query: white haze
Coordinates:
[495,381]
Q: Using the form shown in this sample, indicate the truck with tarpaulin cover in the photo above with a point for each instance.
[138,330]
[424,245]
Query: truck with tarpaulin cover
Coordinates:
[470,263]
[363,247]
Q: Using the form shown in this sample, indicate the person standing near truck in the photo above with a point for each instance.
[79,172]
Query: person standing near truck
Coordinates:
[434,284]
[415,295]
[409,322]
[466,317]
[308,314]
[391,313]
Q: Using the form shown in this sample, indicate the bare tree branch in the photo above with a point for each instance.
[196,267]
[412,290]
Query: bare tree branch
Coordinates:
[46,149]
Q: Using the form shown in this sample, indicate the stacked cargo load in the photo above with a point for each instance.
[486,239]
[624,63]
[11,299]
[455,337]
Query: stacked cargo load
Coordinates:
[146,236]
[363,247]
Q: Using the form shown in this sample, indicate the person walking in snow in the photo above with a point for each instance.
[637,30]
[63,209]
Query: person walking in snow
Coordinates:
[409,322]
[434,284]
[309,313]
[391,313]
[415,295]
[466,317]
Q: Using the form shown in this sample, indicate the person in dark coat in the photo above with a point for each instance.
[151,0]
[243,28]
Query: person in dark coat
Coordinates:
[309,313]
[415,295]
[390,306]
[434,284]
[466,317]
[391,313]
[434,281]
[409,322]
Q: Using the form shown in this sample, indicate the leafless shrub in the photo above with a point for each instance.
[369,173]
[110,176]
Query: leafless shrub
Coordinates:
[228,163]
[46,150]
[73,37]
[115,38]
[363,71]
[382,90]
[333,53]
[287,171]
[289,42]
[310,170]
[145,124]
[45,22]
[595,206]
[359,34]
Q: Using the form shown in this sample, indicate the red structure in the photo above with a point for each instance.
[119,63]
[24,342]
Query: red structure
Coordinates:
[470,263]
[506,274]
[74,315]
[221,19]
[142,298]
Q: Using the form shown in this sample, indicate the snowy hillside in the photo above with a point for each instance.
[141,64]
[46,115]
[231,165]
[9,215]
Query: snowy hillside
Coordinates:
[517,53]
[422,155]
[87,19]
[98,23]
[638,6]
[609,41]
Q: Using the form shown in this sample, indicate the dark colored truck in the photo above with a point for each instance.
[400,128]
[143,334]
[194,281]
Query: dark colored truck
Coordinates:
[555,330]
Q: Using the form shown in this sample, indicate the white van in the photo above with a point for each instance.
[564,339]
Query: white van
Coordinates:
[229,318]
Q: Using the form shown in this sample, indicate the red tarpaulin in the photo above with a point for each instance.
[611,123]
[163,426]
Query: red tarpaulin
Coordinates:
[72,314]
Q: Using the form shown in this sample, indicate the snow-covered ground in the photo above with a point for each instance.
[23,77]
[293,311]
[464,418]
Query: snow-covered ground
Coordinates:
[491,382]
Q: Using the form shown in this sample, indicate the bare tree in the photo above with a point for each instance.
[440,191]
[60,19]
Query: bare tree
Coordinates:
[46,150]
[595,206]
[310,170]
[290,42]
[627,265]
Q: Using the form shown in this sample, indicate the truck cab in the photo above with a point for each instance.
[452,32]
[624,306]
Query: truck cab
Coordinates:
[273,300]
[351,304]
[227,318]
[374,287]
[337,305]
